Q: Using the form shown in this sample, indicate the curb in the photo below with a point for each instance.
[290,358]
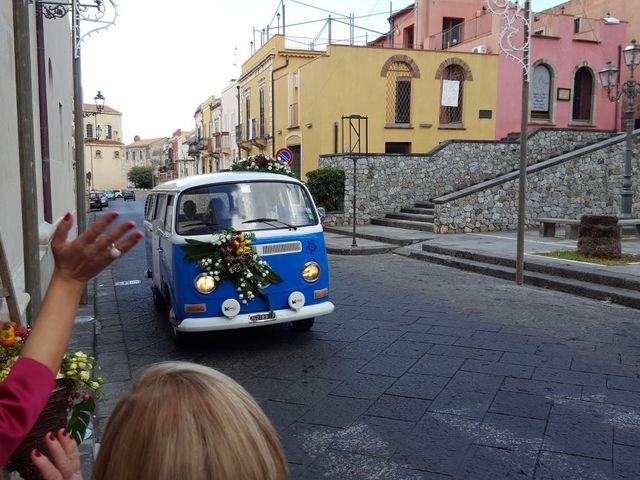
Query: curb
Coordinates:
[360,250]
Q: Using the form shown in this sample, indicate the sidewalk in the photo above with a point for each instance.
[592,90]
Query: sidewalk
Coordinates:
[503,244]
[494,253]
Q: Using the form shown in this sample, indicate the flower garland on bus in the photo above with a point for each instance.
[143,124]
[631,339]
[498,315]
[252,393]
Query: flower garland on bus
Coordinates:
[229,256]
[262,163]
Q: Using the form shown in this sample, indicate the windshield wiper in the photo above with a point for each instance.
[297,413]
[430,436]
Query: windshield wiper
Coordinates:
[269,220]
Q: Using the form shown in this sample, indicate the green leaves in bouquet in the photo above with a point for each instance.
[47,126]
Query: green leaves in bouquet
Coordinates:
[80,418]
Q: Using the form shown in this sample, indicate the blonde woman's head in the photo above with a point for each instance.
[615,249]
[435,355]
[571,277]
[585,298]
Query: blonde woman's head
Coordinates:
[184,421]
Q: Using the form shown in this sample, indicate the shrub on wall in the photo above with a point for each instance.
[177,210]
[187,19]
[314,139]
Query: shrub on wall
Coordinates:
[327,187]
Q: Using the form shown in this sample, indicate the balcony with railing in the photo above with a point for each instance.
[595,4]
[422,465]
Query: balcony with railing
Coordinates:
[462,32]
[221,142]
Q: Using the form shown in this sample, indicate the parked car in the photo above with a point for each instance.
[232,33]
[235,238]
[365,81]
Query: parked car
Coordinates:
[128,195]
[103,198]
[110,194]
[118,193]
[94,201]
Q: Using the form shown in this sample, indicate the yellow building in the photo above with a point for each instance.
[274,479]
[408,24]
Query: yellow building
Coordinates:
[103,148]
[205,130]
[413,99]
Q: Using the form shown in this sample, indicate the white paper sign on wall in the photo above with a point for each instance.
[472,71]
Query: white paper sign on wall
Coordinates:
[450,93]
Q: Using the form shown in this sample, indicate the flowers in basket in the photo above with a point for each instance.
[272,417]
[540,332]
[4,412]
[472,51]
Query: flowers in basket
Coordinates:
[262,163]
[76,369]
[229,256]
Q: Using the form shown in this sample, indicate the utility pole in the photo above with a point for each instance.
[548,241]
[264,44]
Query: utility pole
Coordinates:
[26,146]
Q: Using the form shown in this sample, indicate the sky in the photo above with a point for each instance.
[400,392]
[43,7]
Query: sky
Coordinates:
[162,59]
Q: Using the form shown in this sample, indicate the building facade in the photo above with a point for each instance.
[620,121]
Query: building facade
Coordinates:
[183,161]
[229,144]
[410,98]
[567,52]
[52,194]
[149,152]
[104,151]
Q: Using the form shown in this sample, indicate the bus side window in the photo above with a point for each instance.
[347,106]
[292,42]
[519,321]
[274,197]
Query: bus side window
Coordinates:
[168,215]
[151,203]
[158,214]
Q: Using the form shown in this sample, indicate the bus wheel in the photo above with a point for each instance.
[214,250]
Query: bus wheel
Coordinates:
[302,325]
[158,299]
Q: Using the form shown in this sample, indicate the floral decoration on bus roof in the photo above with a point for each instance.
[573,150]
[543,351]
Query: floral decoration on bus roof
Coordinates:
[262,163]
[229,256]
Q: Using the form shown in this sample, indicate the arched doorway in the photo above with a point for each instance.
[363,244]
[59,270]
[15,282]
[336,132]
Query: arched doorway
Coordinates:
[582,108]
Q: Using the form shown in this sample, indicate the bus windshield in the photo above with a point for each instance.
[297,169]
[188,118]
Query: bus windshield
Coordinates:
[248,206]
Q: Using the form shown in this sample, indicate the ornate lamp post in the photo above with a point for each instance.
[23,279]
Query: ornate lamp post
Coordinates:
[97,130]
[515,43]
[610,79]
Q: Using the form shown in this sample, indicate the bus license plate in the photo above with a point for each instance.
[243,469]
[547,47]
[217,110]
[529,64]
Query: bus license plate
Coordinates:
[262,317]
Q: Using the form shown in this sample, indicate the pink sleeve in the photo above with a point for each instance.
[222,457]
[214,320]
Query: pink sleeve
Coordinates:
[23,395]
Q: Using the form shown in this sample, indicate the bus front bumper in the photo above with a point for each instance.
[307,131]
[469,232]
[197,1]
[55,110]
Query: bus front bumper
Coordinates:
[206,324]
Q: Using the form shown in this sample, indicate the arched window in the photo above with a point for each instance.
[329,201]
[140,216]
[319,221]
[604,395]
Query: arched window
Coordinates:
[541,93]
[399,93]
[451,100]
[582,108]
[98,154]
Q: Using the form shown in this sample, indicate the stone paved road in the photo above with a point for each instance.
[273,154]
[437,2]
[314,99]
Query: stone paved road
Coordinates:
[422,372]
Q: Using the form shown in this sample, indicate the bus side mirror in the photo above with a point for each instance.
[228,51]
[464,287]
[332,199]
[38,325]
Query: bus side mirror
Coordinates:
[322,214]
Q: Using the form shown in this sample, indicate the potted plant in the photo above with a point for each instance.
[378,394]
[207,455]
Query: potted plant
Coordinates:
[70,405]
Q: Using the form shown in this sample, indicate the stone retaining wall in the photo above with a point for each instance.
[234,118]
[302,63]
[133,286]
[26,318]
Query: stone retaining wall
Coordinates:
[587,185]
[386,183]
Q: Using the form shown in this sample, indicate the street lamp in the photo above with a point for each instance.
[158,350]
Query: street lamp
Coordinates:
[97,130]
[610,79]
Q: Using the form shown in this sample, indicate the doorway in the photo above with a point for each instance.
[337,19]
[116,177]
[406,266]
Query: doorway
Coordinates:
[296,164]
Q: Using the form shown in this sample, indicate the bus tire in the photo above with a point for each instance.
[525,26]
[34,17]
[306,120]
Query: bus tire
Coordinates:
[158,299]
[303,325]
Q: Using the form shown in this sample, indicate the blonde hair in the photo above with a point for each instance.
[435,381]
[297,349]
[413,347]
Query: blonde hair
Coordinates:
[189,422]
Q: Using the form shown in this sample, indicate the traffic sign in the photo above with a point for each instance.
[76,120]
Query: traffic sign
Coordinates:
[285,155]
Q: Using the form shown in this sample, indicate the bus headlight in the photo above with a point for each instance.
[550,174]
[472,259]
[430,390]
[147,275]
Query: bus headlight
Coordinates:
[311,271]
[205,283]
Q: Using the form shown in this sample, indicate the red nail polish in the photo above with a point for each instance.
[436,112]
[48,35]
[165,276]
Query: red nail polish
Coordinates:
[139,234]
[114,214]
[37,453]
[67,216]
[64,432]
[52,437]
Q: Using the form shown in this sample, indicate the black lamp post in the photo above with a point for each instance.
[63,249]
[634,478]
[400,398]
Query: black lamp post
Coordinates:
[610,79]
[97,130]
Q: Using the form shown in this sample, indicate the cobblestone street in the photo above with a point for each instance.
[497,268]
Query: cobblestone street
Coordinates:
[421,372]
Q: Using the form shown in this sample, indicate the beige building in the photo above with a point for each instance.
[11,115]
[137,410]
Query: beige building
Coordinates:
[148,152]
[103,148]
[183,161]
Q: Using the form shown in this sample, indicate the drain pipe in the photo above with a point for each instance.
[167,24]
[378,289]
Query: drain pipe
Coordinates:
[26,148]
[273,114]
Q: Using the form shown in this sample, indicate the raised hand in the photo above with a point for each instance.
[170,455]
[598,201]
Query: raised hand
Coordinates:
[87,255]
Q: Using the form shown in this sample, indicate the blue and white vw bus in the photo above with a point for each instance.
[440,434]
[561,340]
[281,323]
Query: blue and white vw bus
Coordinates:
[277,209]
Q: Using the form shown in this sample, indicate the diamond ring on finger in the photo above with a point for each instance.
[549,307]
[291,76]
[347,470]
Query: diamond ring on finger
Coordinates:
[114,252]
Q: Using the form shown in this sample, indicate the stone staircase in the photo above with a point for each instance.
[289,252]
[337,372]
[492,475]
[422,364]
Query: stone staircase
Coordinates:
[419,217]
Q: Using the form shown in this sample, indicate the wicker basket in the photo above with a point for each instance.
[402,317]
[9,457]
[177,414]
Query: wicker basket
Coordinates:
[53,418]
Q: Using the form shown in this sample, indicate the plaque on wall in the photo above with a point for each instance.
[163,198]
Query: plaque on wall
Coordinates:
[540,89]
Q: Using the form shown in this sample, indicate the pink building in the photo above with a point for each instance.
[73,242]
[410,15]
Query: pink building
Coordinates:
[565,59]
